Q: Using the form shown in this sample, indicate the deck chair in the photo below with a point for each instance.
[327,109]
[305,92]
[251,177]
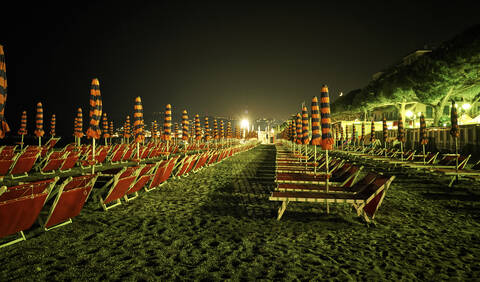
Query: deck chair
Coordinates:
[144,176]
[117,187]
[355,188]
[20,206]
[70,198]
[183,165]
[24,163]
[429,160]
[201,161]
[70,161]
[162,173]
[449,161]
[53,162]
[366,202]
[342,177]
[118,153]
[128,153]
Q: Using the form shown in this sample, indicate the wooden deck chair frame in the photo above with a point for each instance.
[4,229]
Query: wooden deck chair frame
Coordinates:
[125,182]
[145,175]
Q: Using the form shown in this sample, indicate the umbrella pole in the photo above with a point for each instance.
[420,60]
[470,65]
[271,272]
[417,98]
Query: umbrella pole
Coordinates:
[39,141]
[423,145]
[326,183]
[93,156]
[456,160]
[21,144]
[138,151]
[401,150]
[315,161]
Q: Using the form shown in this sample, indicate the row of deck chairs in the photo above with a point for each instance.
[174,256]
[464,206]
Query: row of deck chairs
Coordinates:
[297,181]
[54,202]
[446,165]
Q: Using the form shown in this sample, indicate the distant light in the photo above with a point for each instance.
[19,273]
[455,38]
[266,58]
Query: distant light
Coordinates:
[244,123]
[466,106]
[444,125]
[456,105]
[409,114]
[341,94]
[419,113]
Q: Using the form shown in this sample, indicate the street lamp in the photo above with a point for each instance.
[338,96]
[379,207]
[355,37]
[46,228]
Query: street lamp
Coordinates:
[244,124]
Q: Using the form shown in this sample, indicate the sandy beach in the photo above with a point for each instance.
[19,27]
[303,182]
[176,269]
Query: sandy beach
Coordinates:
[218,224]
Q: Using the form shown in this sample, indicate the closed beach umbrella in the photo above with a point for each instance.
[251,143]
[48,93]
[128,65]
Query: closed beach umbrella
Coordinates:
[305,133]
[327,139]
[316,137]
[372,132]
[229,130]
[78,130]
[175,131]
[362,137]
[346,134]
[423,134]
[237,133]
[401,135]
[39,123]
[154,129]
[105,131]
[298,124]
[198,129]
[138,120]
[215,130]
[95,110]
[354,134]
[126,129]
[454,131]
[222,129]
[23,127]
[53,122]
[207,130]
[385,131]
[341,132]
[110,128]
[185,124]
[167,125]
[23,124]
[3,94]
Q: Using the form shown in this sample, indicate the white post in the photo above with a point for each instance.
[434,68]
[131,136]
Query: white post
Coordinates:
[93,156]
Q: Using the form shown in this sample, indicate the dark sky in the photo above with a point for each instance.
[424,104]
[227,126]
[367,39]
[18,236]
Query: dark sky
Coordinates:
[210,58]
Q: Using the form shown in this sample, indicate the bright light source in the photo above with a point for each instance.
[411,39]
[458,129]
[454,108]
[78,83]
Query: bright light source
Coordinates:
[409,114]
[444,125]
[244,124]
[419,113]
[466,106]
[341,94]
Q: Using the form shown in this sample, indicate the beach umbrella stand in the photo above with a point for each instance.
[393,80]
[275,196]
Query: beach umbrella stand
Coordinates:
[316,137]
[327,139]
[455,132]
[94,131]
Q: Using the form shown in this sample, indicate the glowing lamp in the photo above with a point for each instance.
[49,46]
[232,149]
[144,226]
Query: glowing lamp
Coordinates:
[409,114]
[244,123]
[466,106]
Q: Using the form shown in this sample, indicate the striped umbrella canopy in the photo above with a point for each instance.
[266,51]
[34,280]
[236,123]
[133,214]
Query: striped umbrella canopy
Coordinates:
[167,125]
[126,128]
[3,94]
[175,131]
[222,129]
[385,130]
[229,130]
[154,129]
[53,122]
[423,131]
[95,110]
[237,132]
[327,139]
[305,139]
[23,124]
[372,132]
[198,129]
[106,133]
[293,129]
[215,130]
[454,131]
[346,133]
[401,130]
[207,130]
[138,120]
[298,125]
[185,123]
[111,129]
[354,133]
[315,112]
[78,129]
[191,126]
[39,121]
[337,131]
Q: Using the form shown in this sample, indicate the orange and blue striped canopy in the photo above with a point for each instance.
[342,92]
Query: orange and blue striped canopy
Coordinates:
[454,131]
[39,121]
[126,128]
[401,130]
[229,130]
[305,139]
[175,131]
[138,120]
[185,123]
[298,126]
[53,122]
[207,130]
[354,132]
[423,130]
[198,129]
[327,139]
[95,110]
[167,124]
[315,112]
[23,124]
[111,129]
[222,129]
[106,133]
[215,129]
[362,137]
[3,94]
[78,129]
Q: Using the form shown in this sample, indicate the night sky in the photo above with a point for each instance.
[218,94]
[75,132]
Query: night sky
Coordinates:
[215,59]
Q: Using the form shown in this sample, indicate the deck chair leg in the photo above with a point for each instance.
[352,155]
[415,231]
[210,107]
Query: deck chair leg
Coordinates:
[127,199]
[282,209]
[58,225]
[15,241]
[452,181]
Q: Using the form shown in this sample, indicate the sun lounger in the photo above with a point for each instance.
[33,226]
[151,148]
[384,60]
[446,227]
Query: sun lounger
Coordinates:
[366,202]
[144,176]
[162,173]
[24,163]
[70,198]
[118,186]
[339,178]
[20,206]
